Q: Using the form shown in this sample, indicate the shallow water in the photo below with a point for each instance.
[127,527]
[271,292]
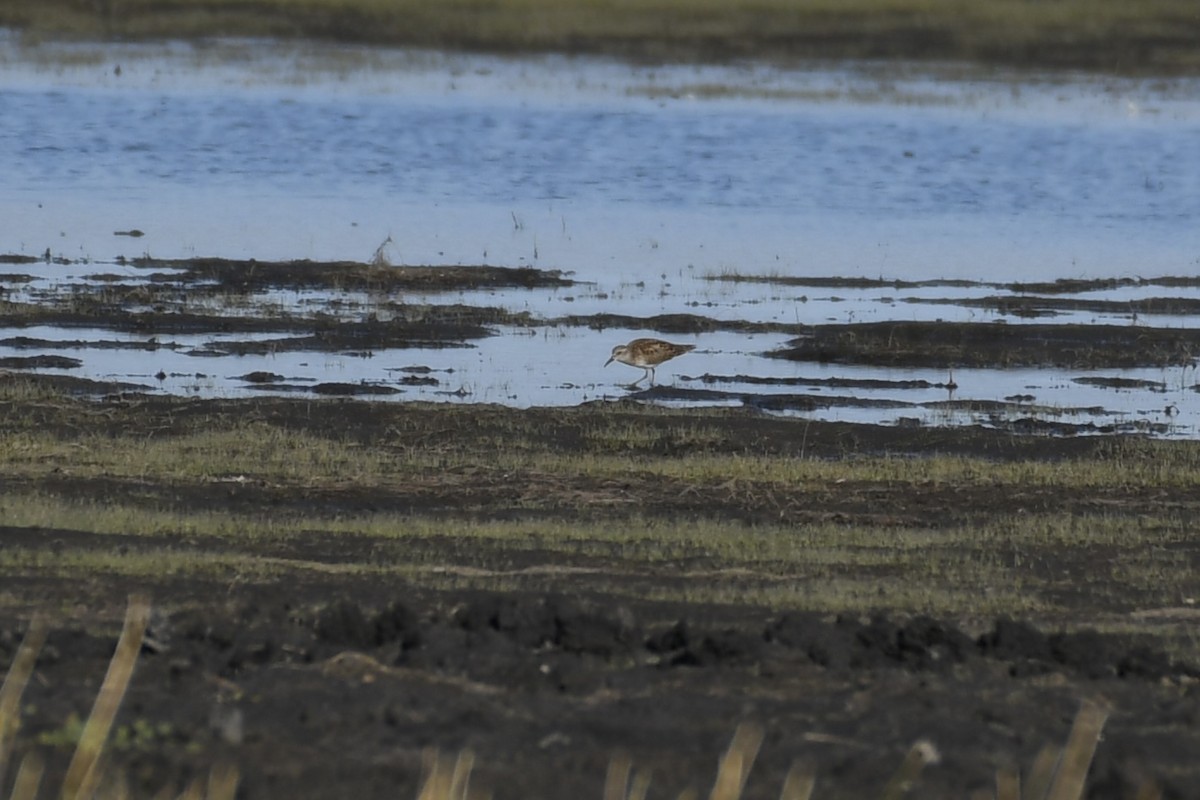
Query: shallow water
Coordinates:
[644,183]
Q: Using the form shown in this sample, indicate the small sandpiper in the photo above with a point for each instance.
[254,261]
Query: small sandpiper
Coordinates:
[647,354]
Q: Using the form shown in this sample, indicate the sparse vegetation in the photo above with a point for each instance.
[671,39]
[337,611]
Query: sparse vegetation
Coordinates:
[693,506]
[1109,35]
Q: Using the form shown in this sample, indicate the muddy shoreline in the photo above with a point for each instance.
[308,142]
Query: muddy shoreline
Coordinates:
[213,317]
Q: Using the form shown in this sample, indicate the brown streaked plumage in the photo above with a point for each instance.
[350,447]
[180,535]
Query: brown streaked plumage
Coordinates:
[647,354]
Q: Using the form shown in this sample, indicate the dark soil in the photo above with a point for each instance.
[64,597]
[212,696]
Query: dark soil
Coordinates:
[330,683]
[326,690]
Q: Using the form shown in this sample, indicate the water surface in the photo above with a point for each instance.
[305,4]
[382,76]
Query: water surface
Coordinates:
[643,183]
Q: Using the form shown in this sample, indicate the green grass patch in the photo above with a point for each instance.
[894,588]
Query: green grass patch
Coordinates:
[1009,565]
[626,449]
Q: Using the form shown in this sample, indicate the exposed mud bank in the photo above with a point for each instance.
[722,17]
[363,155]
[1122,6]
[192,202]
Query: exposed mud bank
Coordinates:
[208,321]
[543,689]
[947,345]
[251,275]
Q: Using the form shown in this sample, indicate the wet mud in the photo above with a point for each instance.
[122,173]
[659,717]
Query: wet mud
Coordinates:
[1015,415]
[352,310]
[233,275]
[165,304]
[946,345]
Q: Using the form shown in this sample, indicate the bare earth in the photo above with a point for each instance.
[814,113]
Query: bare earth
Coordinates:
[331,676]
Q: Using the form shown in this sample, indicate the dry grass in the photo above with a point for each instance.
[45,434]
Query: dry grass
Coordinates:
[89,776]
[1056,774]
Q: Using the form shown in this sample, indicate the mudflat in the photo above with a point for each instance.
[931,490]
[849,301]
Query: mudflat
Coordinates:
[342,587]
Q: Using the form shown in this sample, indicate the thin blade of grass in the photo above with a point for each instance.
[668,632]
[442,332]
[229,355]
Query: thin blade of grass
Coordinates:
[29,778]
[437,781]
[919,756]
[641,785]
[117,787]
[799,783]
[460,780]
[736,764]
[194,791]
[1008,784]
[223,782]
[1149,791]
[1077,755]
[14,687]
[82,775]
[1042,773]
[616,780]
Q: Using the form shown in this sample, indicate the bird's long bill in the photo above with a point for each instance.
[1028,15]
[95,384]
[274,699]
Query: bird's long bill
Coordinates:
[610,360]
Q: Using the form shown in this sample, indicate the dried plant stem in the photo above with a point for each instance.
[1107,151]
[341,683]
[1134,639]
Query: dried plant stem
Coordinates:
[1077,755]
[919,756]
[223,782]
[1042,773]
[1008,784]
[82,774]
[799,783]
[616,781]
[641,785]
[29,778]
[194,791]
[442,782]
[437,781]
[460,780]
[736,764]
[14,687]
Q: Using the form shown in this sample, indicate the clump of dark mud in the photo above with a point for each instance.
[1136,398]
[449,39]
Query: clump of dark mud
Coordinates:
[947,345]
[1120,383]
[309,695]
[40,362]
[253,275]
[70,385]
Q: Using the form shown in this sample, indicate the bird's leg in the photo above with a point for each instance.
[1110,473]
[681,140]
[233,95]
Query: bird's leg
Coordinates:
[651,371]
